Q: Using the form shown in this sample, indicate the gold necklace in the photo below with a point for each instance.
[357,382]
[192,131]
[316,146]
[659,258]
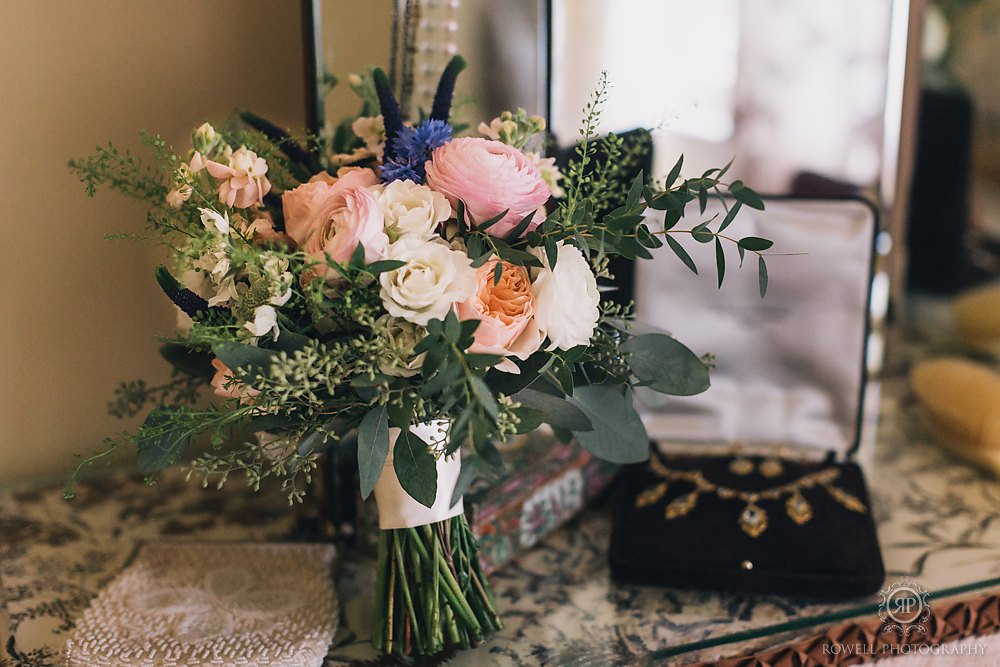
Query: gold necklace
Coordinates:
[753,518]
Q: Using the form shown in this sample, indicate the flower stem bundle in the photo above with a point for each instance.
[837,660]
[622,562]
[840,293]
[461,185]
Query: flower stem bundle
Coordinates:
[430,591]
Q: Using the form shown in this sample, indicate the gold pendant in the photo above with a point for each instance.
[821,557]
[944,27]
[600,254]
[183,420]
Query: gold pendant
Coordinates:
[771,468]
[846,499]
[753,520]
[681,505]
[798,508]
[651,495]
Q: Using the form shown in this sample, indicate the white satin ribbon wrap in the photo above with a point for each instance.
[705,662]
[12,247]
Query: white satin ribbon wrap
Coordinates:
[396,509]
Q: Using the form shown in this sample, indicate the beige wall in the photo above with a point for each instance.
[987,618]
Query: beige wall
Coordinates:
[79,314]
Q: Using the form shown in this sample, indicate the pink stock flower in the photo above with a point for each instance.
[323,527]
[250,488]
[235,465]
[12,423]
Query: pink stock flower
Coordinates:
[490,177]
[332,215]
[243,181]
[505,312]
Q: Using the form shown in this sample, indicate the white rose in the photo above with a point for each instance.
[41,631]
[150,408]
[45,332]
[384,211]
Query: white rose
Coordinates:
[434,278]
[415,209]
[566,298]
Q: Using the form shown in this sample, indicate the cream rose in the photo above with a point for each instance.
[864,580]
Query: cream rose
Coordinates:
[566,298]
[434,278]
[505,311]
[411,208]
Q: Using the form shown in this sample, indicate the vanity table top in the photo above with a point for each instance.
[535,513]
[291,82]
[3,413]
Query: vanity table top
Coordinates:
[938,522]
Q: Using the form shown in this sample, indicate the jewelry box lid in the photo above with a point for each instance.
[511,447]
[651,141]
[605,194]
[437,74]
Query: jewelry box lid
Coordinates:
[789,368]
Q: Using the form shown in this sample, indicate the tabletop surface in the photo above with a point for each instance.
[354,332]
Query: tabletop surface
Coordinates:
[938,523]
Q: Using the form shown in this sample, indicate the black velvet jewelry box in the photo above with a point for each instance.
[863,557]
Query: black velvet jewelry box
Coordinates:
[753,485]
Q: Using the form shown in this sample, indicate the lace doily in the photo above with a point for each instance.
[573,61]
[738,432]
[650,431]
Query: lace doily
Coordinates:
[212,604]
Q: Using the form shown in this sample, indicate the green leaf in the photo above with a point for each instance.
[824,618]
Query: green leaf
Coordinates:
[289,341]
[415,467]
[486,224]
[762,276]
[452,327]
[635,191]
[358,256]
[473,466]
[720,260]
[701,233]
[702,200]
[558,411]
[384,265]
[161,442]
[528,419]
[253,360]
[730,215]
[666,365]
[674,172]
[681,253]
[497,272]
[755,243]
[746,195]
[551,252]
[373,447]
[518,230]
[484,395]
[618,435]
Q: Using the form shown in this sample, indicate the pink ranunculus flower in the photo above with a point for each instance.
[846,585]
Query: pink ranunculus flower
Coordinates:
[490,177]
[332,215]
[505,312]
[243,180]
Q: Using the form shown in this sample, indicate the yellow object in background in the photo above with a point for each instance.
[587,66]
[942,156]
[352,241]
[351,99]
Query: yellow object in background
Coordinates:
[960,402]
[977,319]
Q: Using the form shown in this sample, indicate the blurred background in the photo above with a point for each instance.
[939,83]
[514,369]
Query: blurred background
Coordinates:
[810,97]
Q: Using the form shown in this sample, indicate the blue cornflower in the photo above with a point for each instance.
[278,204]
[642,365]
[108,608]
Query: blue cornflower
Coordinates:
[401,169]
[416,143]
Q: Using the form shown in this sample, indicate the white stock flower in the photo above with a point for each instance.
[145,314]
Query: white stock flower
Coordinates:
[566,298]
[225,292]
[279,279]
[215,220]
[414,209]
[205,138]
[434,278]
[265,320]
[371,130]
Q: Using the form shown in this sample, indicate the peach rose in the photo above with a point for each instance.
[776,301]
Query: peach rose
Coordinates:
[244,183]
[490,177]
[505,312]
[225,385]
[332,215]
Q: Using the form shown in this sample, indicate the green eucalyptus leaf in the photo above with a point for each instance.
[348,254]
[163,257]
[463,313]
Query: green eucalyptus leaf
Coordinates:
[762,276]
[755,244]
[746,195]
[666,365]
[681,253]
[253,360]
[618,435]
[559,412]
[373,447]
[415,467]
[731,215]
[720,260]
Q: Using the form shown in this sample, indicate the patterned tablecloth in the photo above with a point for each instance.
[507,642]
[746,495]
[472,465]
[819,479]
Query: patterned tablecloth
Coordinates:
[939,524]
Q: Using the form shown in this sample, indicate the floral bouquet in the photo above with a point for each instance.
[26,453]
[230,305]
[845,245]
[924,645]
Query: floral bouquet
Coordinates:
[433,294]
